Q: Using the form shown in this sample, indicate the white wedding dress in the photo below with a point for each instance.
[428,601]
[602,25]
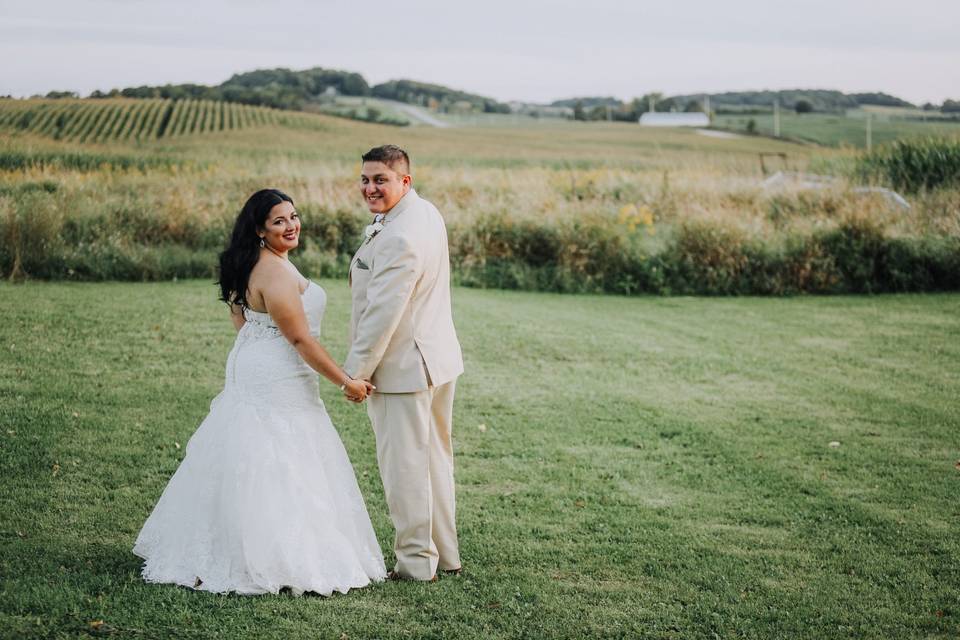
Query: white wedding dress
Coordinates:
[265,497]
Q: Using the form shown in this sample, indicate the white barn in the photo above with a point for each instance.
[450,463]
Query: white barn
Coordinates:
[671,119]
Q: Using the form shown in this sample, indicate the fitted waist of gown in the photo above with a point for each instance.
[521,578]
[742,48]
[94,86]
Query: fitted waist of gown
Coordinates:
[263,364]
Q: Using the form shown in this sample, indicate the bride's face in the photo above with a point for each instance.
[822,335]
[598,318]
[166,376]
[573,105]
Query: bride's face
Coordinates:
[281,229]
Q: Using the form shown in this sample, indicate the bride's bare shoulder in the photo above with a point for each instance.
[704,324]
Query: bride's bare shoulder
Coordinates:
[273,276]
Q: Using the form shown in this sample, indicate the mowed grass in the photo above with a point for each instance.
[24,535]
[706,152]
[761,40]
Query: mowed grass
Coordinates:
[835,130]
[647,467]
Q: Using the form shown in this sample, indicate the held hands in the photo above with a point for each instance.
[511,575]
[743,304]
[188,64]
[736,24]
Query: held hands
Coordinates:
[357,390]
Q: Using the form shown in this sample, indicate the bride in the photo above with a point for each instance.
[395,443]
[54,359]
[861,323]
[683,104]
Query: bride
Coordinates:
[265,498]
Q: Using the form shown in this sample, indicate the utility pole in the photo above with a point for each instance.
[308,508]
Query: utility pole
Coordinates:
[653,106]
[706,106]
[776,117]
[869,131]
[609,113]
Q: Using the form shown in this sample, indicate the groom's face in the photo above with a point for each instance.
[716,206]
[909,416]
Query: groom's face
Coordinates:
[382,187]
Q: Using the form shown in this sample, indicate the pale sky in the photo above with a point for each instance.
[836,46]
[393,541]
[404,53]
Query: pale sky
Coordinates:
[532,50]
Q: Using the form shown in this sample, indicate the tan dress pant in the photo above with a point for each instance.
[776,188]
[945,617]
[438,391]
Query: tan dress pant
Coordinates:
[415,454]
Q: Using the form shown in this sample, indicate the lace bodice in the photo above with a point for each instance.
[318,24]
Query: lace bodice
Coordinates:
[260,324]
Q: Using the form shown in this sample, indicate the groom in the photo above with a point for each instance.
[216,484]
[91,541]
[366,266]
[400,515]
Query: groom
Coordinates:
[403,340]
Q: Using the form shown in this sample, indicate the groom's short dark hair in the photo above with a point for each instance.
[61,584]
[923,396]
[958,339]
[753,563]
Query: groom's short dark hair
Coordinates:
[390,155]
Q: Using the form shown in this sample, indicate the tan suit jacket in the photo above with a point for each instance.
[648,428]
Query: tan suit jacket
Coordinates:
[402,336]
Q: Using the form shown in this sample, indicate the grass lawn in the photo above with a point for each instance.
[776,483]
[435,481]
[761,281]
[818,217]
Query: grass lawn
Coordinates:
[839,130]
[647,467]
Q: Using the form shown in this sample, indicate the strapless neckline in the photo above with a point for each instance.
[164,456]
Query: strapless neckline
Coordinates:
[310,283]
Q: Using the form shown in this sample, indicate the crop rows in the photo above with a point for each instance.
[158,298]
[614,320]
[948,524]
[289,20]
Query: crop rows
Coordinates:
[123,120]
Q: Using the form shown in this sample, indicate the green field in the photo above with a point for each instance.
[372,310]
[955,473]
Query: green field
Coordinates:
[127,120]
[836,130]
[648,467]
[530,204]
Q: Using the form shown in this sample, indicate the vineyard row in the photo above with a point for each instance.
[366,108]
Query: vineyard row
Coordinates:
[121,120]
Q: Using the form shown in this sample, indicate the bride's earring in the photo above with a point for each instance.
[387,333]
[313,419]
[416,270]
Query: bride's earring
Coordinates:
[262,244]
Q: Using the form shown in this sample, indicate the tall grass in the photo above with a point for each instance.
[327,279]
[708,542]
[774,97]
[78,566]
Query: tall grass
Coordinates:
[83,161]
[48,234]
[607,209]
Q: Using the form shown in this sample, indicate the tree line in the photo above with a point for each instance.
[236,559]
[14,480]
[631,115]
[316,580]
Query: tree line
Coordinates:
[282,88]
[743,103]
[295,90]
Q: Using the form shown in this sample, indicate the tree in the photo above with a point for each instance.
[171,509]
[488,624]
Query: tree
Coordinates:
[598,112]
[636,108]
[659,102]
[950,106]
[578,113]
[803,106]
[694,106]
[880,99]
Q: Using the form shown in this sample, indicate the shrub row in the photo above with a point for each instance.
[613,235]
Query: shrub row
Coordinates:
[704,259]
[40,238]
[695,257]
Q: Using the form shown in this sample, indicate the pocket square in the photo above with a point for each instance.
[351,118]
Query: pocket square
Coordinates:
[362,265]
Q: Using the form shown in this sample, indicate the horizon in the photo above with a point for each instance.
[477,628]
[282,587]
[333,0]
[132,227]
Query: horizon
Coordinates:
[548,102]
[610,50]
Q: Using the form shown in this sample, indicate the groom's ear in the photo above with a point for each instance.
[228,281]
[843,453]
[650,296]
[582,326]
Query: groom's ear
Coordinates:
[407,180]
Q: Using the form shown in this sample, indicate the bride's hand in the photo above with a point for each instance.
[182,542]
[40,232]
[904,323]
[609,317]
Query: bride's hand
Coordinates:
[357,390]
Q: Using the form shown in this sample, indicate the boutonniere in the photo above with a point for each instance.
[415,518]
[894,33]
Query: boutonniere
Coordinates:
[372,230]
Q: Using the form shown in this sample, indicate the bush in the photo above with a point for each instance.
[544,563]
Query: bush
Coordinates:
[856,248]
[706,258]
[914,165]
[573,257]
[922,264]
[43,235]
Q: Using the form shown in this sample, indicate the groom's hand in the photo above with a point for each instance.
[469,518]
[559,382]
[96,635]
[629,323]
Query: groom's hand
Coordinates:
[355,390]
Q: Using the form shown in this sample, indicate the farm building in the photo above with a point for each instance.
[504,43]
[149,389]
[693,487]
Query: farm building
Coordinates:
[653,119]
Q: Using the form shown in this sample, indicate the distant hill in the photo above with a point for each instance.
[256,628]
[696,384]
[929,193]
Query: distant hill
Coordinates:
[278,88]
[288,89]
[825,100]
[283,88]
[437,96]
[587,102]
[880,99]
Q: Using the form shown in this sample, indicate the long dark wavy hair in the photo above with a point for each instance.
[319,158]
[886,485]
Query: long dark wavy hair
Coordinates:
[240,256]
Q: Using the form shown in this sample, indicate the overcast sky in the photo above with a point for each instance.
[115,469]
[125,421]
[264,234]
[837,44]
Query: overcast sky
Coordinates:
[534,50]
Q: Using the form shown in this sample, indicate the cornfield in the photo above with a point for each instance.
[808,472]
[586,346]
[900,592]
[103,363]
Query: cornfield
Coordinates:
[914,165]
[129,120]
